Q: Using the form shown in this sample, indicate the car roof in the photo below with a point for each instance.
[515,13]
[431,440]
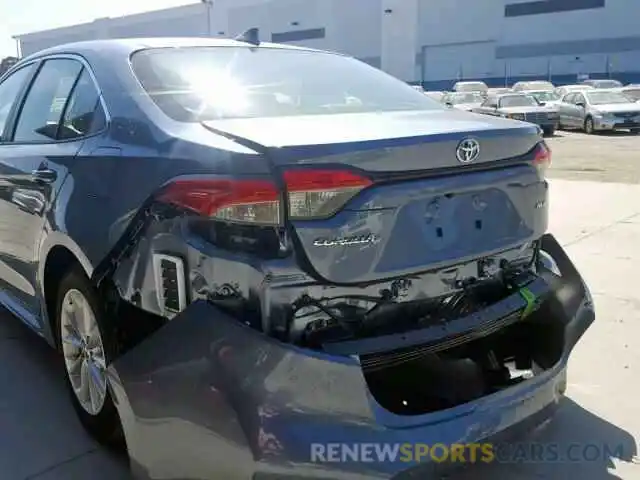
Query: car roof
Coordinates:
[127,46]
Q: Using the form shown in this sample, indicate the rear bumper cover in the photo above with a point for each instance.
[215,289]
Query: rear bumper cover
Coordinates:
[207,397]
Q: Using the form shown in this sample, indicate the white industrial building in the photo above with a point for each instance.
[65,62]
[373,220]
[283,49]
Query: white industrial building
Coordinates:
[432,41]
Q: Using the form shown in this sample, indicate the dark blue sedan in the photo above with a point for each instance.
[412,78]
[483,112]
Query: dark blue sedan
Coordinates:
[255,260]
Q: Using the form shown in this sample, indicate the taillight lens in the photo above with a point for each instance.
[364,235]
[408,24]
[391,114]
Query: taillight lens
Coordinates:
[542,157]
[241,201]
[320,193]
[312,194]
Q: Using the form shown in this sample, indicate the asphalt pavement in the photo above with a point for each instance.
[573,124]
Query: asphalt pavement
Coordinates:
[598,222]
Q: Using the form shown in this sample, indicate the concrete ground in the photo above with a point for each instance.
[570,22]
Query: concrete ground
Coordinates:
[598,222]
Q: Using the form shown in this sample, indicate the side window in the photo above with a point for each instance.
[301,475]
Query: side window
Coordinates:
[568,98]
[9,91]
[40,115]
[84,114]
[579,98]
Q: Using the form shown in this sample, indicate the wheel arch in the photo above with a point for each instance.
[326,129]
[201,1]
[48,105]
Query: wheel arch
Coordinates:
[58,254]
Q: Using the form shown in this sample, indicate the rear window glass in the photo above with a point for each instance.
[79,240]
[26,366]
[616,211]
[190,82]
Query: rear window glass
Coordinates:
[206,83]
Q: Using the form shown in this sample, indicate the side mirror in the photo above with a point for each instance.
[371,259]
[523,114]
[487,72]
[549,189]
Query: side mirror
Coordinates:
[580,104]
[542,104]
[449,104]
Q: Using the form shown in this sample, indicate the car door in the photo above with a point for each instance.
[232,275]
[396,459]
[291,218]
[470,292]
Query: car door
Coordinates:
[567,110]
[580,109]
[40,142]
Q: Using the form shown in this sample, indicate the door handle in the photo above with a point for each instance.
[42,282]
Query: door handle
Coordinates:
[44,175]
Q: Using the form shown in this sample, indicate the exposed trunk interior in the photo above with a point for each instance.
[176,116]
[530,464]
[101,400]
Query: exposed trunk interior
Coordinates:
[409,382]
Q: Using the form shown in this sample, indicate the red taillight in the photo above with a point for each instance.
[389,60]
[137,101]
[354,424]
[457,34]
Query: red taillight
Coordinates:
[312,194]
[246,201]
[542,157]
[320,193]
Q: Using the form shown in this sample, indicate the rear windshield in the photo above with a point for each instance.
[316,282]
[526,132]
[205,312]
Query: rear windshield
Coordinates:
[206,83]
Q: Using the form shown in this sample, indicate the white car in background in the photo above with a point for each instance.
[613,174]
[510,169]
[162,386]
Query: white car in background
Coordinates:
[470,87]
[545,97]
[533,86]
[463,100]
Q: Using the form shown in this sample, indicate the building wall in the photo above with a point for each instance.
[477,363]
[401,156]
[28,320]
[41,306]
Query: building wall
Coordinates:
[503,41]
[435,42]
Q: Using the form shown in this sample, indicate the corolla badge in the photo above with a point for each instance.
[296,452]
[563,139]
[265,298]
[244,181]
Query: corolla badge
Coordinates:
[468,150]
[369,239]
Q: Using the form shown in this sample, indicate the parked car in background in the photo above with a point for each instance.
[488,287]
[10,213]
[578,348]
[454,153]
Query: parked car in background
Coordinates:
[598,110]
[533,85]
[435,95]
[470,87]
[563,90]
[209,268]
[545,97]
[498,90]
[463,100]
[521,106]
[602,83]
[632,92]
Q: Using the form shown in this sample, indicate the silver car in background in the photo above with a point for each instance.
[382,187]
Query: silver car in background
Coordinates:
[463,100]
[535,85]
[599,110]
[562,91]
[521,106]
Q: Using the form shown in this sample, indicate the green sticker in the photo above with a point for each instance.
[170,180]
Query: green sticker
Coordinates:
[530,298]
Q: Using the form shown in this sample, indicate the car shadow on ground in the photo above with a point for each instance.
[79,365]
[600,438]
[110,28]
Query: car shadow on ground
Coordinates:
[577,444]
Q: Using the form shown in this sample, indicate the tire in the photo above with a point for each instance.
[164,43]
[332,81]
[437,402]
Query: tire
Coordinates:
[635,131]
[588,126]
[549,131]
[99,415]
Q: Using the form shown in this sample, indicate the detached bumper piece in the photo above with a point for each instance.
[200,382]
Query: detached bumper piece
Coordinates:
[207,397]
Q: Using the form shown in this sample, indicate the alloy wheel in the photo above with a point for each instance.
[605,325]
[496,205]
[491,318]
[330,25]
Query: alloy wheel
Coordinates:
[83,351]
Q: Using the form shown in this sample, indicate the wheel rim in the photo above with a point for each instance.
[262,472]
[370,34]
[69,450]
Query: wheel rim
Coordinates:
[83,351]
[589,125]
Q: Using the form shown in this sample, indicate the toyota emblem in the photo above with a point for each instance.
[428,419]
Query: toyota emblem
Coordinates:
[468,150]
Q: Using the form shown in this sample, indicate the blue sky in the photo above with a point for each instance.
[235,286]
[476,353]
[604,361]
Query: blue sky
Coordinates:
[23,16]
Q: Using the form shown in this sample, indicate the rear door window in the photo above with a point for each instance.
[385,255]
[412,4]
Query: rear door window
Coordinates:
[45,102]
[83,114]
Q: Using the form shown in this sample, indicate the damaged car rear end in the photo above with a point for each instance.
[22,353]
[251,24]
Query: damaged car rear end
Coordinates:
[346,267]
